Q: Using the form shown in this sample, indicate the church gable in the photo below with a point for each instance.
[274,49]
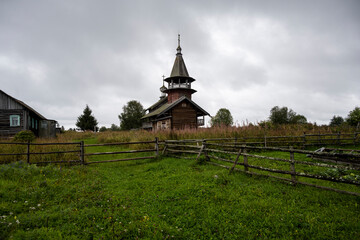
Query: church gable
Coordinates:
[184,116]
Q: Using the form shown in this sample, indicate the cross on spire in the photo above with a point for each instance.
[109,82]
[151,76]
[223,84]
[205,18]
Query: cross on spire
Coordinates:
[178,48]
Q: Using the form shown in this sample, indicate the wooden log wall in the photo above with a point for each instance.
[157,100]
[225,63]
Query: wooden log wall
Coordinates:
[184,113]
[5,129]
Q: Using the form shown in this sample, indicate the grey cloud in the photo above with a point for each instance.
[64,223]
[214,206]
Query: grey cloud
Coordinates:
[60,55]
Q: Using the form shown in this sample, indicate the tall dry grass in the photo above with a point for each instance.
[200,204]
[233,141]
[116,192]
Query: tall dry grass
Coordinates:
[249,131]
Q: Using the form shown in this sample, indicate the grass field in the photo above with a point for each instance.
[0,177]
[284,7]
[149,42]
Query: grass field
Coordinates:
[166,198]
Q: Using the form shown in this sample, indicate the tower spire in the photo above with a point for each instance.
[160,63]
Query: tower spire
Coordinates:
[178,48]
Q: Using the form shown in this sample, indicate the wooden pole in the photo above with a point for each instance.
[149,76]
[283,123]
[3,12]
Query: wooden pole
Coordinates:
[292,166]
[205,151]
[157,146]
[201,150]
[237,159]
[82,152]
[355,138]
[246,168]
[28,152]
[265,141]
[304,144]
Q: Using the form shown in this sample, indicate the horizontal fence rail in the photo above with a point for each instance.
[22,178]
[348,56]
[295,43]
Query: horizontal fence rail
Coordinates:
[30,152]
[246,154]
[337,159]
[154,150]
[303,141]
[37,152]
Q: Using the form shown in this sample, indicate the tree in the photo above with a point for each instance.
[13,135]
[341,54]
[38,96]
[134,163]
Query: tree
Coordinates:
[103,129]
[285,116]
[86,121]
[114,127]
[131,116]
[336,121]
[353,119]
[222,118]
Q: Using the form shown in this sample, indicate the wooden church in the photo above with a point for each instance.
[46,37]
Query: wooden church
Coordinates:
[175,109]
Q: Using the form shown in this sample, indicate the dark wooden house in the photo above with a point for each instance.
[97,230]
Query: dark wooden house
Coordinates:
[16,116]
[175,109]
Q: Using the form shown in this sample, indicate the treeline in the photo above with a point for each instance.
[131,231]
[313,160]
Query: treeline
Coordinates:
[133,111]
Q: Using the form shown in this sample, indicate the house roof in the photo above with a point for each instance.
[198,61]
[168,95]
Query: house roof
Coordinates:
[25,106]
[168,106]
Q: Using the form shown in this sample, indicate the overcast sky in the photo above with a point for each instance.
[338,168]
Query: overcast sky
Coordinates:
[246,56]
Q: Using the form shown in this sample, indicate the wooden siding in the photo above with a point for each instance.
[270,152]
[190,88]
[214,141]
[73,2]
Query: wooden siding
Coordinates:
[178,93]
[5,129]
[7,102]
[184,116]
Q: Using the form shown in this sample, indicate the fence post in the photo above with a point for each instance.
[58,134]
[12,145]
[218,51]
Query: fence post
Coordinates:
[292,166]
[157,146]
[304,141]
[265,145]
[201,150]
[82,152]
[355,134]
[165,148]
[237,159]
[28,152]
[246,168]
[205,151]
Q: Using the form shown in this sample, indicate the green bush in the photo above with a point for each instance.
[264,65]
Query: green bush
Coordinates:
[24,136]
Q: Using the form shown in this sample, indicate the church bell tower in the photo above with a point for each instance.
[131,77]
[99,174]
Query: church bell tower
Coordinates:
[179,82]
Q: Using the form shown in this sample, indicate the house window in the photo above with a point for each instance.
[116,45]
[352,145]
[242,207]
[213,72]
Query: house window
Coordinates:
[14,120]
[32,123]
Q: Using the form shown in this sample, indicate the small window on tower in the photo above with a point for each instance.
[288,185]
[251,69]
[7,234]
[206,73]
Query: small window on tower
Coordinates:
[183,105]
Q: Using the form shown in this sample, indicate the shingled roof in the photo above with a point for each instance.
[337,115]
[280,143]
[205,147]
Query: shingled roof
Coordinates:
[168,106]
[179,69]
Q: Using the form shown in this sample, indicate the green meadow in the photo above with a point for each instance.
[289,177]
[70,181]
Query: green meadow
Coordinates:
[166,198]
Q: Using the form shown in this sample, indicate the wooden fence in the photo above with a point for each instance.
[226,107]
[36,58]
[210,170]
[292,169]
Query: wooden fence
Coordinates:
[256,160]
[30,152]
[302,141]
[154,149]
